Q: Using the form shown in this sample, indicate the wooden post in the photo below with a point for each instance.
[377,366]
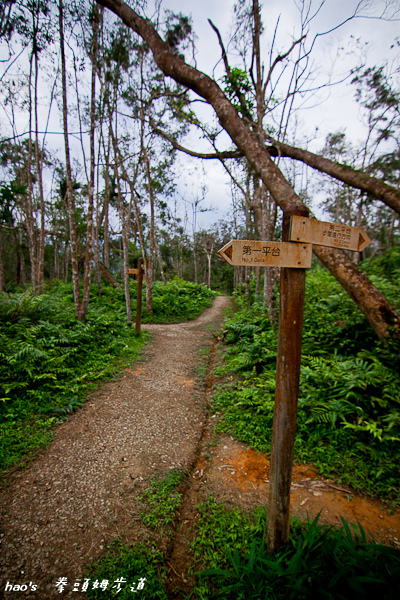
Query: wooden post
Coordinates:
[292,289]
[139,296]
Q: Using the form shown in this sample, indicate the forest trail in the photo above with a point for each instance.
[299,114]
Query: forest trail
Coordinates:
[60,513]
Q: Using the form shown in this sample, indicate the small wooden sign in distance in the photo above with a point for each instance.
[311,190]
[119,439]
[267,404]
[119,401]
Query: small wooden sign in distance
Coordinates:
[334,235]
[257,253]
[133,271]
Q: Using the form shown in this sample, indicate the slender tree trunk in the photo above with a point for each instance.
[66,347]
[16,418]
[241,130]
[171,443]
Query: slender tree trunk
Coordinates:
[98,221]
[66,260]
[209,257]
[70,193]
[125,245]
[149,266]
[158,253]
[30,219]
[90,226]
[194,258]
[106,239]
[56,265]
[39,162]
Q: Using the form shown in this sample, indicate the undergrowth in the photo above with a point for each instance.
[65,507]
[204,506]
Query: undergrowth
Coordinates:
[161,500]
[318,562]
[49,360]
[140,570]
[145,561]
[178,301]
[348,422]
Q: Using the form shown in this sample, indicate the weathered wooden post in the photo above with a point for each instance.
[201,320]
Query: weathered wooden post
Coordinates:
[293,255]
[139,296]
[292,290]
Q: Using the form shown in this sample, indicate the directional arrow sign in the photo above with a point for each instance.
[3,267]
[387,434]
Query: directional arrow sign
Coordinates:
[267,254]
[321,233]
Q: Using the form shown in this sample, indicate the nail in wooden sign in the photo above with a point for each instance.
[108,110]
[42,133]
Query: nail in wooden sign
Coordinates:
[334,235]
[255,253]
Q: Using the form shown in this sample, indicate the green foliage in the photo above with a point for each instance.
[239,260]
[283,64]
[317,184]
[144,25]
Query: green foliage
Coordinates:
[349,401]
[161,500]
[130,563]
[386,266]
[318,562]
[219,530]
[48,360]
[178,301]
[238,88]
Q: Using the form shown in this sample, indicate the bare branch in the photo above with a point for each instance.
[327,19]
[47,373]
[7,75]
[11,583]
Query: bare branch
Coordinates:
[280,58]
[238,93]
[213,155]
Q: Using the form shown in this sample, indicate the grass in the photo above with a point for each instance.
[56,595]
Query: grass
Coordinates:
[348,422]
[140,567]
[318,562]
[159,502]
[230,561]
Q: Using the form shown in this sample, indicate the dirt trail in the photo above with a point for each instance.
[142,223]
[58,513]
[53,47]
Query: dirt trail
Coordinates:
[58,514]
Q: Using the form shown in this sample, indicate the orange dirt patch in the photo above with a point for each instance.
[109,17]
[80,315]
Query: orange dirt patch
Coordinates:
[246,467]
[239,470]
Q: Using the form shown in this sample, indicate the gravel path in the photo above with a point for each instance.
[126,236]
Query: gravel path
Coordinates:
[59,513]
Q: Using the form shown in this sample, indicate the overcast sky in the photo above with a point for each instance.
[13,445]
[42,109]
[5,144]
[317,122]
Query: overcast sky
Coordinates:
[364,40]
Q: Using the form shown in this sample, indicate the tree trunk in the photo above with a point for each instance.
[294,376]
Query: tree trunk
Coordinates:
[30,218]
[106,240]
[158,253]
[194,258]
[149,265]
[125,245]
[38,161]
[70,193]
[373,304]
[90,226]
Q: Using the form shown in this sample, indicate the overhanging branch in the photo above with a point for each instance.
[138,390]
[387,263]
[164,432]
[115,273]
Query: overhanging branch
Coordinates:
[212,155]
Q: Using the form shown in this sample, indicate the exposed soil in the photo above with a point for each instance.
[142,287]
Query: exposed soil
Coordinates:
[60,513]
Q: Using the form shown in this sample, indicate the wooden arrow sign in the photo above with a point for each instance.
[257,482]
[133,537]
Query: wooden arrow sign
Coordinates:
[267,254]
[334,235]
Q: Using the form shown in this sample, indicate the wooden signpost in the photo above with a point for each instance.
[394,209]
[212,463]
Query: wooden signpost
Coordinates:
[251,253]
[293,254]
[321,233]
[139,273]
